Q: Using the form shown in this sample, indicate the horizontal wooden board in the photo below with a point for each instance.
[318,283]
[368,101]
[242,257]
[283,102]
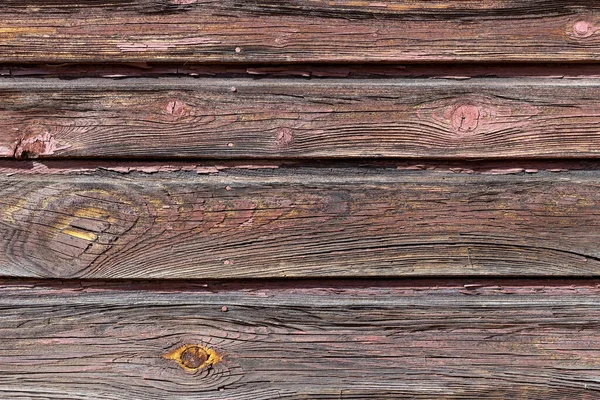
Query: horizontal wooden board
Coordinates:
[473,342]
[243,118]
[300,223]
[299,31]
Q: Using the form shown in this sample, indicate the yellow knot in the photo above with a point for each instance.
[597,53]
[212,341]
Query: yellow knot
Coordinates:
[193,357]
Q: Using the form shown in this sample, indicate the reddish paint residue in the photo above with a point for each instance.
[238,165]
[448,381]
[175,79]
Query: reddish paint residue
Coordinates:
[285,137]
[583,29]
[43,144]
[465,118]
[176,108]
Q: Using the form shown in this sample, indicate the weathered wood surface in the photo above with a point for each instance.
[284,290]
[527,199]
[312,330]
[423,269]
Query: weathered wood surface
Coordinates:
[299,31]
[305,70]
[488,340]
[300,223]
[243,118]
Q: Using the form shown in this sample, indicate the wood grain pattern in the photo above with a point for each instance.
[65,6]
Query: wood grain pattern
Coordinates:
[299,31]
[300,223]
[149,225]
[242,118]
[465,342]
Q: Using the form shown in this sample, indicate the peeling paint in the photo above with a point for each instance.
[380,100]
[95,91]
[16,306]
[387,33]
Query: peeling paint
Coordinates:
[43,144]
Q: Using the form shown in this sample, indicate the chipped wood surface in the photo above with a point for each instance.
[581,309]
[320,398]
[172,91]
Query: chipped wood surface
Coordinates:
[485,340]
[299,31]
[300,223]
[296,119]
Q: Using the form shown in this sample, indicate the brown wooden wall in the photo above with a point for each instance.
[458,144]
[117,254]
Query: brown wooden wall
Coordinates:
[299,199]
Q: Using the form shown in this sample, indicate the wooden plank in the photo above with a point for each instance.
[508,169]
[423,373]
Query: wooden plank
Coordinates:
[299,31]
[320,342]
[243,118]
[300,223]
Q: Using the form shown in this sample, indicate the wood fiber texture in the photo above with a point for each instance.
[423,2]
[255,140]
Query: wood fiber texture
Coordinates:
[299,199]
[341,31]
[450,342]
[300,223]
[300,119]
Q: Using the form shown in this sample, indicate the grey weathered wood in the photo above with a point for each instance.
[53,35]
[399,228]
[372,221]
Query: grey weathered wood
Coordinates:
[525,341]
[242,118]
[301,222]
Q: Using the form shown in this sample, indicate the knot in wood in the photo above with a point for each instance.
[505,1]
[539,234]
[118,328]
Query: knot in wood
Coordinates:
[285,137]
[43,144]
[193,357]
[583,29]
[465,117]
[176,108]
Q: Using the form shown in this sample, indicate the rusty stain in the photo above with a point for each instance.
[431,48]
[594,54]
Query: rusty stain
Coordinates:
[193,357]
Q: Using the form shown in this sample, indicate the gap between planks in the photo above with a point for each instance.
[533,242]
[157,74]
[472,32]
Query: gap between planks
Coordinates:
[304,70]
[9,167]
